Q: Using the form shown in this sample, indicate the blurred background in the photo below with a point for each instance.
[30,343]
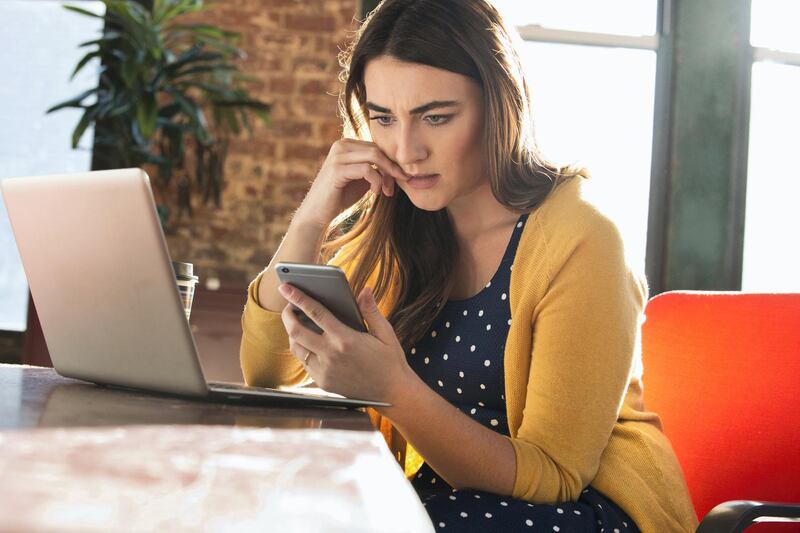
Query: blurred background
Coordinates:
[685,113]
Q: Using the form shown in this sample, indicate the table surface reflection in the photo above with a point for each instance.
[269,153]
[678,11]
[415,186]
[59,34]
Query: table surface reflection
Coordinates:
[81,456]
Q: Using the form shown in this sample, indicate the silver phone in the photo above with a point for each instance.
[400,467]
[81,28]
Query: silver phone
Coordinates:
[326,284]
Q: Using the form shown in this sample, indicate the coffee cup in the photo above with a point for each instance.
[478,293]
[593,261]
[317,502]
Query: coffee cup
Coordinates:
[186,280]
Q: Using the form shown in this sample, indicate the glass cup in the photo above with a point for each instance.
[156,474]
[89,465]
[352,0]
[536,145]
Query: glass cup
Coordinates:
[186,280]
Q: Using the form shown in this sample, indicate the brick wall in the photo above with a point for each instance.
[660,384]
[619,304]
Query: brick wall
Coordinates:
[292,48]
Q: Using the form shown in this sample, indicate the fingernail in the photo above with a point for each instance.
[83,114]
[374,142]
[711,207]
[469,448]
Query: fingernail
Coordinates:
[285,290]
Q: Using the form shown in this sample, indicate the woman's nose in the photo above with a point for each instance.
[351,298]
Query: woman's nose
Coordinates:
[410,147]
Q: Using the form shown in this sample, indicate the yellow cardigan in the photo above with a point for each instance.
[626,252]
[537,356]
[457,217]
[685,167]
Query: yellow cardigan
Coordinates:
[572,369]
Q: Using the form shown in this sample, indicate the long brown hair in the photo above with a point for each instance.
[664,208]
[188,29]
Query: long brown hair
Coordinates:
[412,252]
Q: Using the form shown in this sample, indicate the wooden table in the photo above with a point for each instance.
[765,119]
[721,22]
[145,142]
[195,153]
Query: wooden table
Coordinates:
[77,456]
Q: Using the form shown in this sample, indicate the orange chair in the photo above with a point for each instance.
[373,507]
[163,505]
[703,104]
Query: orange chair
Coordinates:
[722,369]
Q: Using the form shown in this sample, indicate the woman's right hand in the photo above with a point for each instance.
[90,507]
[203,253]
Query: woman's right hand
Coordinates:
[351,168]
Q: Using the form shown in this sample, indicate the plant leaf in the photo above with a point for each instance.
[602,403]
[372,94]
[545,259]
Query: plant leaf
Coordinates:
[85,122]
[245,121]
[205,68]
[82,11]
[107,36]
[179,8]
[146,114]
[195,115]
[73,102]
[82,63]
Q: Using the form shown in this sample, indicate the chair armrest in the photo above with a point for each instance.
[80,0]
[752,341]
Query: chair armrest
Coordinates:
[734,516]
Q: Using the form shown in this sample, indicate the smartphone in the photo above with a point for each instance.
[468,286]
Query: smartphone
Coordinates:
[326,284]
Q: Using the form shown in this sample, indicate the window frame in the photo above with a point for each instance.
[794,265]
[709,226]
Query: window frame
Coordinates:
[763,55]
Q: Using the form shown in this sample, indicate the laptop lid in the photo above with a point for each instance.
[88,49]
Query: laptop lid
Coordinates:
[101,279]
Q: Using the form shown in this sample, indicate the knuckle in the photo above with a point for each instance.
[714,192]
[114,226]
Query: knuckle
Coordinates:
[343,345]
[334,357]
[332,360]
[315,313]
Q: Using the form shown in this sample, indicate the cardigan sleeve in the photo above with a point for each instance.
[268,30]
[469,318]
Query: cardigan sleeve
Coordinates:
[264,352]
[585,335]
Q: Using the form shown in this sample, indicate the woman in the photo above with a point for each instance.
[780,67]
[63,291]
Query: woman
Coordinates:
[503,318]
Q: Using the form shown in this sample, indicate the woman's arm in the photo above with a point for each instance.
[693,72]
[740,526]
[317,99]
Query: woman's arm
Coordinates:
[463,452]
[301,244]
[373,365]
[351,168]
[584,332]
[264,351]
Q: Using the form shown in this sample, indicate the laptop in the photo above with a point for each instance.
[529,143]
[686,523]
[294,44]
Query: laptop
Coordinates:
[102,281]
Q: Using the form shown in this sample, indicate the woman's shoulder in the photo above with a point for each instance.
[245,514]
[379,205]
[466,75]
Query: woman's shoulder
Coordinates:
[571,231]
[573,211]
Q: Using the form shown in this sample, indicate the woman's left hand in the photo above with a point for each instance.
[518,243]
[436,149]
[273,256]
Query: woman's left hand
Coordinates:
[370,366]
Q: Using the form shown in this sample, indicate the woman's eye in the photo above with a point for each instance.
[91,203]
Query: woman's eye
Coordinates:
[437,120]
[433,120]
[382,120]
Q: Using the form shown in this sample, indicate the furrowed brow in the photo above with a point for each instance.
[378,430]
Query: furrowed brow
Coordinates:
[436,104]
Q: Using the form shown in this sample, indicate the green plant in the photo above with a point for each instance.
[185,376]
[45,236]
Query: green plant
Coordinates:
[158,78]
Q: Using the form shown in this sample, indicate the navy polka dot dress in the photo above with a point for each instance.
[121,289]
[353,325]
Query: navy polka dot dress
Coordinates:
[461,358]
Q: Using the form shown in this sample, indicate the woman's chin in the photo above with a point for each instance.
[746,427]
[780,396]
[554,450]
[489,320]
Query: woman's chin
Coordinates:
[426,202]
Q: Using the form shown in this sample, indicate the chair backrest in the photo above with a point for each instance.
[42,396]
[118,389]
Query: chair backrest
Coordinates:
[722,369]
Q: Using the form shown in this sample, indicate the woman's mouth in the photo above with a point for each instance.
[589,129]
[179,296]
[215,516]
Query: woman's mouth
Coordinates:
[424,181]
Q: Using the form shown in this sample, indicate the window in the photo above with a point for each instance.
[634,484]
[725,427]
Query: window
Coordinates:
[614,17]
[773,25]
[591,68]
[38,51]
[771,259]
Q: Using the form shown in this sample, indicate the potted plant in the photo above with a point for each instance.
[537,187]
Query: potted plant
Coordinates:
[159,77]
